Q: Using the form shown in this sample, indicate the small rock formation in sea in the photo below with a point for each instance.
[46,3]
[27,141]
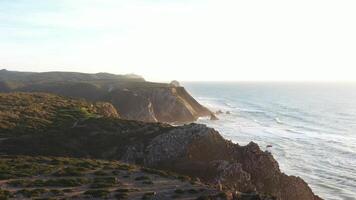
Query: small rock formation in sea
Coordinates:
[219,112]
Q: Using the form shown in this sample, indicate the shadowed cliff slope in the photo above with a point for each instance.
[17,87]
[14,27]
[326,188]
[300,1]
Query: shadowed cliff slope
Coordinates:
[194,150]
[132,96]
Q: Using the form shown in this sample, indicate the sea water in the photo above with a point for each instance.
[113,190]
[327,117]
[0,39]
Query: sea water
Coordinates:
[311,127]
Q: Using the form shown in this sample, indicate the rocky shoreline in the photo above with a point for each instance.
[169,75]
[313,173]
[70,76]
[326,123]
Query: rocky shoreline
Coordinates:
[101,127]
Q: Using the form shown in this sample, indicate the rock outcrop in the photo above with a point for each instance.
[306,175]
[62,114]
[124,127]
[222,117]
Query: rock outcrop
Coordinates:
[242,168]
[132,96]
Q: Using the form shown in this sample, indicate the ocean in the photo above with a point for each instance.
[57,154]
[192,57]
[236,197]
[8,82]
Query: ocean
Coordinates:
[311,127]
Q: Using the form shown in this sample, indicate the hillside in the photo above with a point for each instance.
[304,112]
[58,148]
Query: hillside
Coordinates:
[132,96]
[246,169]
[69,178]
[21,113]
[24,77]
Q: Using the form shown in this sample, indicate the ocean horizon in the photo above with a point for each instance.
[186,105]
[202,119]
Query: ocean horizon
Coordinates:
[311,127]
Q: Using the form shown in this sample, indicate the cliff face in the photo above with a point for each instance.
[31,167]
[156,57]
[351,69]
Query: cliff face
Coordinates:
[193,150]
[132,105]
[200,151]
[133,97]
[173,104]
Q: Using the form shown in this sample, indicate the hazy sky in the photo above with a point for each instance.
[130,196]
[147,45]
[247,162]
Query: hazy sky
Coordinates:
[183,39]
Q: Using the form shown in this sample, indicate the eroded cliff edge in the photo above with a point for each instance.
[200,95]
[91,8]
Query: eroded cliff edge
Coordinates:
[193,150]
[132,96]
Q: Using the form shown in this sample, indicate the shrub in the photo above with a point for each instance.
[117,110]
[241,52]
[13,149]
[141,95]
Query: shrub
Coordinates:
[148,195]
[70,171]
[4,194]
[100,173]
[56,192]
[140,178]
[179,191]
[63,182]
[147,182]
[155,171]
[193,191]
[121,195]
[31,193]
[18,183]
[204,198]
[126,190]
[104,182]
[97,193]
[67,190]
[125,167]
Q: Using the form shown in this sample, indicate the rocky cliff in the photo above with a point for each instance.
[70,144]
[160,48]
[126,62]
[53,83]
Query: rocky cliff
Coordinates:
[193,150]
[132,96]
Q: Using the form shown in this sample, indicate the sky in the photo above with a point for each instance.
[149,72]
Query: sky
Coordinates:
[186,40]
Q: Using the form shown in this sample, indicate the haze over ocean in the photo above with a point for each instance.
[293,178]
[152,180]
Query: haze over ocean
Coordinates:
[312,127]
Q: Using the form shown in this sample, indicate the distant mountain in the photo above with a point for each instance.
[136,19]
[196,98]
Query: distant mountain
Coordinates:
[34,77]
[131,95]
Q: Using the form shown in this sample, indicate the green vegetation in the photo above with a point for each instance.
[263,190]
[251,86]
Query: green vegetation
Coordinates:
[70,171]
[71,128]
[127,190]
[100,173]
[141,178]
[74,178]
[147,182]
[97,193]
[23,167]
[148,195]
[4,194]
[62,182]
[104,182]
[157,172]
[59,126]
[32,193]
[179,191]
[23,113]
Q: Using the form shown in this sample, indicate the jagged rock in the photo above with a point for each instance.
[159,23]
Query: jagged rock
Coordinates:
[219,112]
[244,168]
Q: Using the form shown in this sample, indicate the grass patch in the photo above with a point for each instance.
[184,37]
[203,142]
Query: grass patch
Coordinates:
[61,182]
[70,171]
[100,173]
[148,195]
[32,193]
[104,182]
[97,193]
[4,194]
